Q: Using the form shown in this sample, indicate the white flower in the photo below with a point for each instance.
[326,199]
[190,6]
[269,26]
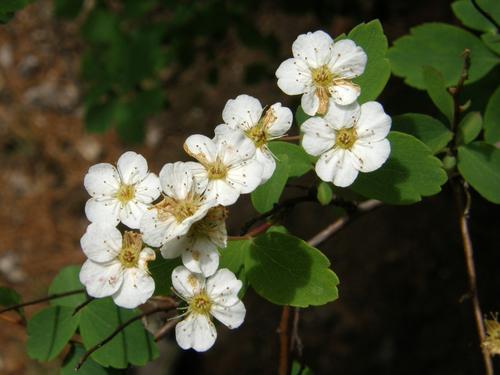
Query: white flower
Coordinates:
[226,167]
[120,194]
[182,205]
[198,247]
[320,69]
[117,267]
[246,113]
[349,139]
[216,296]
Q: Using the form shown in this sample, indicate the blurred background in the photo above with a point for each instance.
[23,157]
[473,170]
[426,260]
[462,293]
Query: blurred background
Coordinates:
[83,81]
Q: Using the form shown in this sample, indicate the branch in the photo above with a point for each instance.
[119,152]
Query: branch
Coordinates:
[166,328]
[120,328]
[455,93]
[290,138]
[283,331]
[40,300]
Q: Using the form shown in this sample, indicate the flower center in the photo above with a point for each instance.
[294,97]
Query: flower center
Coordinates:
[180,209]
[131,248]
[345,138]
[125,193]
[200,304]
[322,77]
[258,133]
[216,170]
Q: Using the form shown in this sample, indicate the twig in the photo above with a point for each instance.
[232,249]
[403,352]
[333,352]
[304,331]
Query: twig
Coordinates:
[296,341]
[283,332]
[118,329]
[165,329]
[290,138]
[455,92]
[40,300]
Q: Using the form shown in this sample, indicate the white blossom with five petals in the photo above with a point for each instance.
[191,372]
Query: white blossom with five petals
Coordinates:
[226,165]
[120,194]
[348,139]
[216,296]
[246,114]
[321,69]
[116,266]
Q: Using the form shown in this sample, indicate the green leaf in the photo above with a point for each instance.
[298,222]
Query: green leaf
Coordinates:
[299,161]
[492,118]
[298,369]
[49,331]
[300,116]
[479,164]
[89,367]
[133,345]
[324,193]
[436,88]
[426,128]
[287,271]
[67,8]
[233,258]
[491,7]
[469,128]
[265,196]
[67,280]
[100,117]
[9,297]
[9,7]
[370,36]
[441,46]
[492,41]
[161,271]
[410,173]
[470,16]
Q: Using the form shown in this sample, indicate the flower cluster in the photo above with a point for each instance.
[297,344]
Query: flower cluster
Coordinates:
[182,211]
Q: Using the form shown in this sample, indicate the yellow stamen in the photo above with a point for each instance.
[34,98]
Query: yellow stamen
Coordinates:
[492,341]
[200,304]
[258,133]
[216,170]
[180,209]
[131,248]
[125,193]
[345,138]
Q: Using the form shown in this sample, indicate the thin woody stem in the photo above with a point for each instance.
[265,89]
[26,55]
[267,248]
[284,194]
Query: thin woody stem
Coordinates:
[44,299]
[283,332]
[290,138]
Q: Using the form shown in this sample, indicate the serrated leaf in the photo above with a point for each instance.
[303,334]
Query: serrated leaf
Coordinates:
[300,116]
[370,36]
[265,196]
[9,297]
[233,258]
[324,193]
[441,46]
[410,173]
[49,331]
[287,271]
[133,345]
[67,280]
[88,368]
[299,161]
[492,118]
[436,88]
[426,128]
[469,128]
[479,164]
[161,271]
[466,12]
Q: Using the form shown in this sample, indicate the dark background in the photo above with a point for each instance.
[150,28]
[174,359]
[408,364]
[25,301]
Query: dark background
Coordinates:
[403,280]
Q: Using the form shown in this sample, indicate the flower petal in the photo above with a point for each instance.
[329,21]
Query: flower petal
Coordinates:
[132,167]
[131,214]
[186,283]
[283,122]
[176,246]
[148,189]
[310,102]
[103,211]
[200,175]
[197,332]
[222,192]
[101,242]
[348,60]
[102,180]
[342,116]
[231,316]
[345,93]
[177,180]
[243,112]
[201,148]
[266,160]
[294,77]
[137,287]
[156,232]
[371,155]
[201,257]
[101,279]
[373,124]
[319,136]
[313,48]
[337,166]
[234,146]
[223,287]
[245,176]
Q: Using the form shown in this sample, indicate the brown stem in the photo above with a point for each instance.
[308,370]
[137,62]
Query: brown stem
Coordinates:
[82,305]
[40,300]
[118,329]
[165,329]
[296,341]
[283,331]
[290,138]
